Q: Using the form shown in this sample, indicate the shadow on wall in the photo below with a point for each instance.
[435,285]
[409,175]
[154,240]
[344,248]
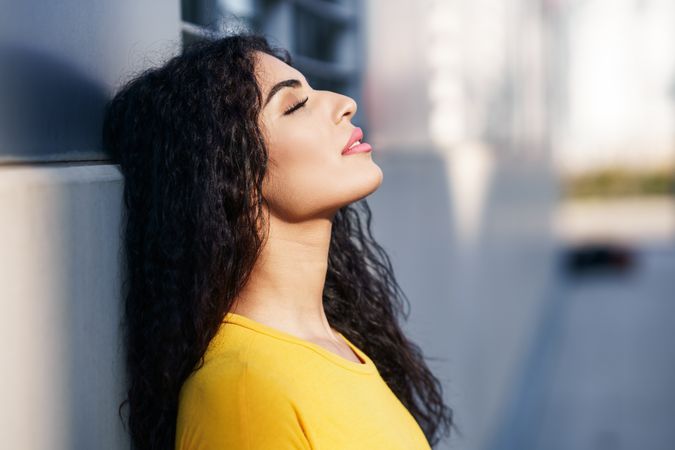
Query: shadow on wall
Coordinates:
[50,110]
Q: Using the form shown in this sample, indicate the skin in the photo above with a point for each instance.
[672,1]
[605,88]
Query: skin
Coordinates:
[308,180]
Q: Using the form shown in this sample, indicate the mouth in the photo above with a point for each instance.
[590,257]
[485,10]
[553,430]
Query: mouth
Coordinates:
[355,144]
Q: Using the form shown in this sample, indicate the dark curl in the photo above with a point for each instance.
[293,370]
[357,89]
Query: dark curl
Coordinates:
[186,138]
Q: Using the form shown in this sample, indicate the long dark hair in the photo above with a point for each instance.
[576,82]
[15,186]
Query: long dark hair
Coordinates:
[193,158]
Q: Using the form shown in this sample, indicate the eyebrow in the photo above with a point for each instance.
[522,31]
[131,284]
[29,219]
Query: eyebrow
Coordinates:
[279,86]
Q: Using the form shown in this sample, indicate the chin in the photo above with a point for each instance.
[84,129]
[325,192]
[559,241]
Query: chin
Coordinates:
[368,184]
[378,176]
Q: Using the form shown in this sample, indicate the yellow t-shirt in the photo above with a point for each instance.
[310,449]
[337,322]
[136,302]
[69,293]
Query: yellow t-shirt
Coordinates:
[263,389]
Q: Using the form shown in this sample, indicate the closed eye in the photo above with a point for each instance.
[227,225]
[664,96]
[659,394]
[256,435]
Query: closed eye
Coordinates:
[295,107]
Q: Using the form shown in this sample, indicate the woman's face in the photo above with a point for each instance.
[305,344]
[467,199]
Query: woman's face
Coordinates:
[308,176]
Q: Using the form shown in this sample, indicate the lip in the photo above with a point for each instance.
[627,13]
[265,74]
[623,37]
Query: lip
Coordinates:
[357,135]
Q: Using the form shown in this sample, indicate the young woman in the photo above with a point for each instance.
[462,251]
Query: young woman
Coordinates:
[260,313]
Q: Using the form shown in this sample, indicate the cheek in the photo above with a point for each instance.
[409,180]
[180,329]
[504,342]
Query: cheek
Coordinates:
[303,164]
[300,147]
[307,175]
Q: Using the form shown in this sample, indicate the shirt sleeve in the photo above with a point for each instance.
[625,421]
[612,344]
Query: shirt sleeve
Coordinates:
[249,411]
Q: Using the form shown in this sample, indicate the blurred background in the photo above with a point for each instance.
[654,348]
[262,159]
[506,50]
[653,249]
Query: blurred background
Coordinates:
[528,202]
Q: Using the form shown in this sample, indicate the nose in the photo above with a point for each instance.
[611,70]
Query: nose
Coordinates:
[345,107]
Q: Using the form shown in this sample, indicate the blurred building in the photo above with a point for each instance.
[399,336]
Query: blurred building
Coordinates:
[458,98]
[615,85]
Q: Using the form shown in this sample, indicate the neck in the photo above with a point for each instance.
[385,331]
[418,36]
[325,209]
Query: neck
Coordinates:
[285,289]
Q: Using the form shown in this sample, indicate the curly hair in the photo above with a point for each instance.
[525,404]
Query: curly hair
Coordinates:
[186,139]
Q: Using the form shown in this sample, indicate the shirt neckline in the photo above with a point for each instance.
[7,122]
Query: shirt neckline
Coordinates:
[367,367]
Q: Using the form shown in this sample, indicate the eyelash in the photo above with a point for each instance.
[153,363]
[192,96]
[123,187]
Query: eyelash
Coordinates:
[298,105]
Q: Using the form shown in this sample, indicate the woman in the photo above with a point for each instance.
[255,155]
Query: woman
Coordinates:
[259,311]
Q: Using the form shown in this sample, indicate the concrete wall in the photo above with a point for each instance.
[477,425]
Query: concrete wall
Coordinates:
[60,205]
[60,266]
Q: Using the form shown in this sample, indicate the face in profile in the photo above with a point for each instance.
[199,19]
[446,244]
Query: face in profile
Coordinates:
[305,131]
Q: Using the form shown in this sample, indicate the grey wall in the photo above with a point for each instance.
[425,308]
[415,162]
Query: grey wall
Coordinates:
[60,205]
[59,61]
[62,368]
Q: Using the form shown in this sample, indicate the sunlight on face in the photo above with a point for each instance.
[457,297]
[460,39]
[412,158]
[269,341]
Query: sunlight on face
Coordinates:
[305,132]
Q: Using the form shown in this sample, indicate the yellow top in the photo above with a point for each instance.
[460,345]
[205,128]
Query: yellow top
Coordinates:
[263,389]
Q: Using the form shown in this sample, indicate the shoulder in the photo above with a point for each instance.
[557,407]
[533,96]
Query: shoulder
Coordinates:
[237,369]
[235,398]
[241,374]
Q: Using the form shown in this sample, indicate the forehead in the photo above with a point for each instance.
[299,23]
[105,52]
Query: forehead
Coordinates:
[271,70]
